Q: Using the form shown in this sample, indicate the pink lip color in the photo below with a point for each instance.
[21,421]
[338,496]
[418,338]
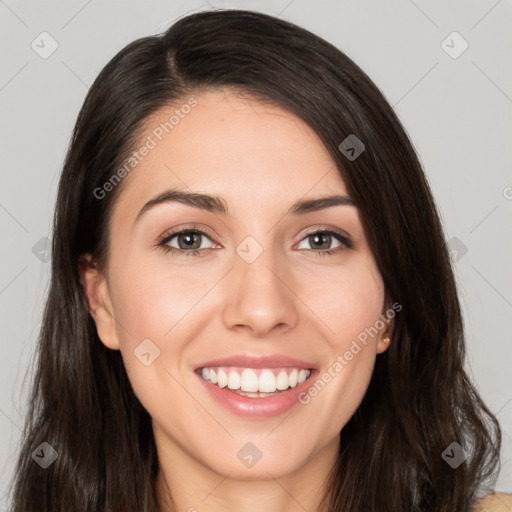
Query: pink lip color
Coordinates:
[257,408]
[254,361]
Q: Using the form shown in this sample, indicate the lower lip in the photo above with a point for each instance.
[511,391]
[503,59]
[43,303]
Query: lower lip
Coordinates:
[258,407]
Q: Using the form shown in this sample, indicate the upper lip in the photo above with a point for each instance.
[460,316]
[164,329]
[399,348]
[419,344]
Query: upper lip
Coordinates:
[255,361]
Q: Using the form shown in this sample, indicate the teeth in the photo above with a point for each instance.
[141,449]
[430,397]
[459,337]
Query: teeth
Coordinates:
[256,383]
[292,378]
[222,378]
[254,395]
[282,380]
[267,382]
[233,379]
[249,381]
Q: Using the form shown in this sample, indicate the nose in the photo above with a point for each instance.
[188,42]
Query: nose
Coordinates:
[260,296]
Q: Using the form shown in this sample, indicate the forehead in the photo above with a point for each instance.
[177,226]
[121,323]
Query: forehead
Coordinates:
[240,148]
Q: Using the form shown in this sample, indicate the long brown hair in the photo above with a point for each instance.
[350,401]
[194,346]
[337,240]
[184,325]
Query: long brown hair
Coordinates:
[420,399]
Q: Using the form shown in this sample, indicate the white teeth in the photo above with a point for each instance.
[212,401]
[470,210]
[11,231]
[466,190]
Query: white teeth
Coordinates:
[222,378]
[267,382]
[292,378]
[248,381]
[233,380]
[282,380]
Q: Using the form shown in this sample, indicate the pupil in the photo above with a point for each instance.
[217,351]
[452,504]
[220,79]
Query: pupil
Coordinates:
[317,237]
[189,237]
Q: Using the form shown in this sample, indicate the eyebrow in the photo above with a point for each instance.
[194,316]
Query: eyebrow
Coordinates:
[216,204]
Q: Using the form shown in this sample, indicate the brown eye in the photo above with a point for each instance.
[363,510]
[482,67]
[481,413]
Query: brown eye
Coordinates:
[187,242]
[321,241]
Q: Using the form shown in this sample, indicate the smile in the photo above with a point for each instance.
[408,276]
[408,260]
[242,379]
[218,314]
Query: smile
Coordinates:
[255,382]
[255,393]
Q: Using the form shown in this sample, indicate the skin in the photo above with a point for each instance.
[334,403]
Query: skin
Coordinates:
[288,301]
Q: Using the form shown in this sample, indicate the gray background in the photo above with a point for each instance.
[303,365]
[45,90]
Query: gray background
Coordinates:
[458,112]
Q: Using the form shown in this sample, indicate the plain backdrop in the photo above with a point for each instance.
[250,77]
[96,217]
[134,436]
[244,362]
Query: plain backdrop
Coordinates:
[456,106]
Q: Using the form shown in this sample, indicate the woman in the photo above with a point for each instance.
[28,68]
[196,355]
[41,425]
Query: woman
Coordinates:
[252,305]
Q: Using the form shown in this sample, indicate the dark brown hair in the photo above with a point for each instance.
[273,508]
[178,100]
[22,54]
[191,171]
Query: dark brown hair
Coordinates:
[419,400]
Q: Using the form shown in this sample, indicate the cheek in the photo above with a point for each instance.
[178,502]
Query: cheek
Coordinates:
[351,307]
[154,310]
[150,300]
[348,303]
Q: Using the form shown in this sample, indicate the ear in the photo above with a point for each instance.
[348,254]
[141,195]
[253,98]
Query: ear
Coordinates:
[100,306]
[386,333]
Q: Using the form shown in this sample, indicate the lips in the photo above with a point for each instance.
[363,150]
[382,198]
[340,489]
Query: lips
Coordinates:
[257,405]
[258,362]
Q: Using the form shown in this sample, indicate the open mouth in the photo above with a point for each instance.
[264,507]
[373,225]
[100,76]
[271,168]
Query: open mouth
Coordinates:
[255,382]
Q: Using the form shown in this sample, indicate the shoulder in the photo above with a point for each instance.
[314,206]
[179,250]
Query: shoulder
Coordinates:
[494,503]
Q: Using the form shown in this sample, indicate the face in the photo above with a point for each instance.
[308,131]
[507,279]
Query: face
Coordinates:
[262,295]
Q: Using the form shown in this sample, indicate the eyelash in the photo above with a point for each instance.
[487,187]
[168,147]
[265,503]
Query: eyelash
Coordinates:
[165,239]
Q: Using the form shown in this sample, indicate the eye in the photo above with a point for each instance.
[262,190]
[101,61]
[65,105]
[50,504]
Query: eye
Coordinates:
[322,239]
[185,241]
[188,241]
